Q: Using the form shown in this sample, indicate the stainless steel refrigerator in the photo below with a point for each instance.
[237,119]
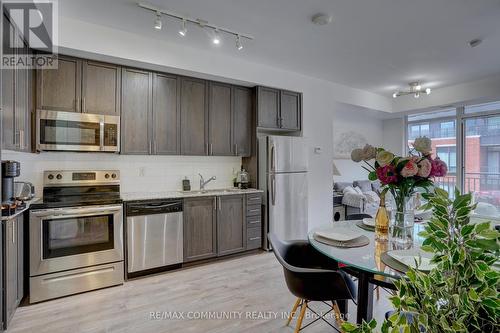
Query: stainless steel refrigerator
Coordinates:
[283,177]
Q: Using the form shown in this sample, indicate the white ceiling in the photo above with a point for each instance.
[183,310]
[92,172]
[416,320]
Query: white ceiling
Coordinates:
[375,45]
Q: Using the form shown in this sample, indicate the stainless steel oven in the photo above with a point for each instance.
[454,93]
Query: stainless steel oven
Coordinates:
[72,131]
[76,234]
[70,238]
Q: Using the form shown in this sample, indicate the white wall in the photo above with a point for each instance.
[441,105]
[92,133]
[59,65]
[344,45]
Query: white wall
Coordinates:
[393,135]
[138,173]
[365,122]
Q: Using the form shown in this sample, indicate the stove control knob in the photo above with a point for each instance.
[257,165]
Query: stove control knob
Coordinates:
[113,175]
[59,176]
[50,176]
[106,176]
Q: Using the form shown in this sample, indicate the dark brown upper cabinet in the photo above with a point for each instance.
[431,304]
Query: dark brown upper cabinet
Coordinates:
[242,121]
[194,117]
[279,109]
[220,119]
[268,107]
[231,224]
[101,88]
[166,115]
[60,89]
[290,110]
[16,107]
[80,86]
[136,110]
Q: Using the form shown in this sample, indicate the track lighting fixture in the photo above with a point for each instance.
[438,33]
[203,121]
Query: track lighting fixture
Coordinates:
[216,39]
[158,22]
[415,90]
[198,22]
[239,46]
[183,29]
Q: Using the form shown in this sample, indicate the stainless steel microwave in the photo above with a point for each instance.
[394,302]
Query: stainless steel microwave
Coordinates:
[72,131]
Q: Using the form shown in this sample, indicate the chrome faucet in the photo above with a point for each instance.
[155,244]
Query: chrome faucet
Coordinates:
[203,182]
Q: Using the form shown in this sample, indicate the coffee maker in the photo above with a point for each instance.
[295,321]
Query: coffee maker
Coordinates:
[10,170]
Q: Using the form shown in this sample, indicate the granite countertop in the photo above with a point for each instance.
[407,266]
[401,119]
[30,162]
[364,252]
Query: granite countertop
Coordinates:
[20,211]
[131,196]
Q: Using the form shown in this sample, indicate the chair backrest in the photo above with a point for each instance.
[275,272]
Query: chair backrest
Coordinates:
[357,217]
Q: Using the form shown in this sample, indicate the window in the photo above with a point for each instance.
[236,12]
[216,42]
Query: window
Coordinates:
[447,129]
[418,130]
[449,156]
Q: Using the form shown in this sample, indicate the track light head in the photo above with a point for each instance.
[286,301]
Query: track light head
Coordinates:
[428,91]
[183,30]
[239,46]
[158,23]
[395,95]
[216,39]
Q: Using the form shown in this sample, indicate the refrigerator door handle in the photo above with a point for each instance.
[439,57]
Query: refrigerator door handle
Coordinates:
[273,158]
[273,189]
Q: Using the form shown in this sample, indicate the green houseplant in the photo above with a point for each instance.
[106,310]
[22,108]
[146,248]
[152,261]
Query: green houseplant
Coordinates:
[460,294]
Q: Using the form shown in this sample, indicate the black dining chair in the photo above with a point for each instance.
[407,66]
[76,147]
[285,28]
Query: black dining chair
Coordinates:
[310,276]
[353,217]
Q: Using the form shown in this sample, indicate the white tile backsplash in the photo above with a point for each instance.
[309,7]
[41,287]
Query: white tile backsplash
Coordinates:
[138,173]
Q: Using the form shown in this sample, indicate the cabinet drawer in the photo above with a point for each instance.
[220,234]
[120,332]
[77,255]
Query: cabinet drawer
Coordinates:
[253,210]
[254,238]
[254,221]
[254,199]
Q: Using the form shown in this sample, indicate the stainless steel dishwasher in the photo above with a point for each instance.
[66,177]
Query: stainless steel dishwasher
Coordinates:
[154,234]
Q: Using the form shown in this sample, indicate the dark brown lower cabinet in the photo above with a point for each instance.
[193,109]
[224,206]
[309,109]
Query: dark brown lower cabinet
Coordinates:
[231,228]
[200,228]
[13,267]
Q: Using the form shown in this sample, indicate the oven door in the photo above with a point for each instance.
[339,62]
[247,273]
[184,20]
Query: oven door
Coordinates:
[70,238]
[71,131]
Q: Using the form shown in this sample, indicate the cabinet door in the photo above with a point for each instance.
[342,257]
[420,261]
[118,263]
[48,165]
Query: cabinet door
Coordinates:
[220,119]
[60,89]
[200,228]
[101,88]
[10,270]
[242,121]
[193,117]
[136,111]
[19,234]
[22,107]
[231,226]
[8,105]
[268,107]
[290,111]
[166,115]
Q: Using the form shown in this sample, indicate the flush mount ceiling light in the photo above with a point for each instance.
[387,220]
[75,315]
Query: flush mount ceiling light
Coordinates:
[217,30]
[415,90]
[321,19]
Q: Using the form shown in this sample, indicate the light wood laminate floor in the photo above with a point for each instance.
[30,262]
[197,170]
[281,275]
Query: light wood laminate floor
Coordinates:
[251,285]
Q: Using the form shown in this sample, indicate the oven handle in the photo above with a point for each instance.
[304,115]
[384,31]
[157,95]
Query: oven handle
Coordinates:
[101,134]
[75,212]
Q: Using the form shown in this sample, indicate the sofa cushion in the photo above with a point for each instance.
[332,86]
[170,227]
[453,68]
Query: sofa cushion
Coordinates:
[340,186]
[376,185]
[364,185]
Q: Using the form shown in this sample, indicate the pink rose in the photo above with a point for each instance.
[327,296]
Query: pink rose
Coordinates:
[387,174]
[410,169]
[439,168]
[424,168]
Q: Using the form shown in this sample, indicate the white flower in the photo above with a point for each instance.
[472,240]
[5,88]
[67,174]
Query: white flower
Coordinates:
[423,144]
[369,152]
[357,155]
[384,157]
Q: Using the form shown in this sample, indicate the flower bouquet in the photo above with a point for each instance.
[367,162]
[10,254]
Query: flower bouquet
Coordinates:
[402,176]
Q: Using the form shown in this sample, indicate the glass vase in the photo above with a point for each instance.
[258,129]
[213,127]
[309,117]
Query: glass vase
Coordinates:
[402,223]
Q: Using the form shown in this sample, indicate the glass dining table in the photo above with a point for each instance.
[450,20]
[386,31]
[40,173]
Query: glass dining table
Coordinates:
[365,263]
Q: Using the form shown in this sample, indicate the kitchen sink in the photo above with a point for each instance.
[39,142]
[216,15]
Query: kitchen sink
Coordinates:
[227,190]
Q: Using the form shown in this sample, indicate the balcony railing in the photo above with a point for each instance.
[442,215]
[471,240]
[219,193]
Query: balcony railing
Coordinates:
[485,184]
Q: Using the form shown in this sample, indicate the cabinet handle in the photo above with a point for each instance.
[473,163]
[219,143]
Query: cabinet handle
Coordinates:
[211,149]
[150,147]
[253,198]
[77,104]
[236,149]
[254,210]
[254,222]
[84,106]
[215,203]
[13,232]
[207,149]
[21,139]
[254,238]
[220,204]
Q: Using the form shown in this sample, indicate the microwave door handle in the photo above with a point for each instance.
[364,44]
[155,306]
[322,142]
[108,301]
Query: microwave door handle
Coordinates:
[101,134]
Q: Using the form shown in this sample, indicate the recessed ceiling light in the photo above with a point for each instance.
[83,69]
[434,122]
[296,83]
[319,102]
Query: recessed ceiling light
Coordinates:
[183,30]
[239,46]
[216,39]
[321,19]
[158,22]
